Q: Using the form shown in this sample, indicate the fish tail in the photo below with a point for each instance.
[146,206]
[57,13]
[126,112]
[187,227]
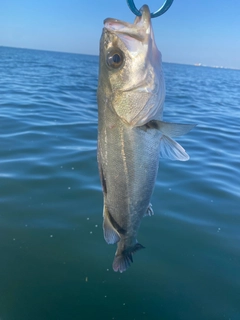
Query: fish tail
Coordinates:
[123,260]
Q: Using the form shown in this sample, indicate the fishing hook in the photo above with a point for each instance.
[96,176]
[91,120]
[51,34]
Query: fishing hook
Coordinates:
[167,4]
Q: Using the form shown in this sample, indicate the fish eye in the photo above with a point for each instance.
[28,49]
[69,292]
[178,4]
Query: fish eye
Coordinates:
[115,59]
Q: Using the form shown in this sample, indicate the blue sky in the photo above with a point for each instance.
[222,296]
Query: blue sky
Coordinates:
[191,31]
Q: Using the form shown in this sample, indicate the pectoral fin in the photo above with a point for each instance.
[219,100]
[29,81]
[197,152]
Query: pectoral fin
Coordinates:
[172,150]
[171,129]
[169,148]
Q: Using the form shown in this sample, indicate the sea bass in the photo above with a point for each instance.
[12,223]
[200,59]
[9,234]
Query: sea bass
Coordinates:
[131,133]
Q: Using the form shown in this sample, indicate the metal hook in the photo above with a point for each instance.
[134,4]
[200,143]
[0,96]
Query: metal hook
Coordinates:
[167,4]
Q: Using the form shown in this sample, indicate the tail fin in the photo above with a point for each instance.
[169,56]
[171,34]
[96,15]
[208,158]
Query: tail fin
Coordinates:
[123,261]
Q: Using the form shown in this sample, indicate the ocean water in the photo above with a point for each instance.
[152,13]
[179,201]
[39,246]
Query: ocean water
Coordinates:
[55,263]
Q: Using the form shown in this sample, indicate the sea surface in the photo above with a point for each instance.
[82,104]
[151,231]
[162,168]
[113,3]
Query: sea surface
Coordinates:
[54,262]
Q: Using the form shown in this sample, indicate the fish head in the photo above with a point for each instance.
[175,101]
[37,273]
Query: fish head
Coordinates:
[131,70]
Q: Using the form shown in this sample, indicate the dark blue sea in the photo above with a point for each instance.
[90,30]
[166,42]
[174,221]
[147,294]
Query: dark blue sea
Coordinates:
[54,262]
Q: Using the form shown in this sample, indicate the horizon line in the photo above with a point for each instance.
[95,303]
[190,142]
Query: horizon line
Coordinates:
[95,55]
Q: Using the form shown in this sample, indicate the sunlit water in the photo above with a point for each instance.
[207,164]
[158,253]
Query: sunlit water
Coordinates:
[55,263]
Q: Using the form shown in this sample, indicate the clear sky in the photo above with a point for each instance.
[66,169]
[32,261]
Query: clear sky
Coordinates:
[191,31]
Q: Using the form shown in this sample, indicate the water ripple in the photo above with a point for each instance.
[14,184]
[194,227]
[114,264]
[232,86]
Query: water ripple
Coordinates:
[50,185]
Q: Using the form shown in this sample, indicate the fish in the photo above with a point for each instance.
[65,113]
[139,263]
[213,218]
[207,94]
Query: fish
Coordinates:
[132,135]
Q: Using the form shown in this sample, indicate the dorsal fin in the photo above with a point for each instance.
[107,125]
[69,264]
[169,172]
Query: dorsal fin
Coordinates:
[115,225]
[110,227]
[103,179]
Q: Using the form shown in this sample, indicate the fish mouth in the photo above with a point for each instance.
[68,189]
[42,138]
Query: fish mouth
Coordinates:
[138,29]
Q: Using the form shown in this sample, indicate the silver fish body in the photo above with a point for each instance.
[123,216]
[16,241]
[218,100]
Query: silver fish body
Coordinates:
[131,133]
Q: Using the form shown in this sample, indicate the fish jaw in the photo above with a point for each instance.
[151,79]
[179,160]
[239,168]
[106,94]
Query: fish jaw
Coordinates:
[140,29]
[137,88]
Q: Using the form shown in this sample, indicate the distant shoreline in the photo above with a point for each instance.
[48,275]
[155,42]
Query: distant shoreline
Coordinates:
[94,55]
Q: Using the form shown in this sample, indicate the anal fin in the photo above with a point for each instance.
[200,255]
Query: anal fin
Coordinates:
[149,211]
